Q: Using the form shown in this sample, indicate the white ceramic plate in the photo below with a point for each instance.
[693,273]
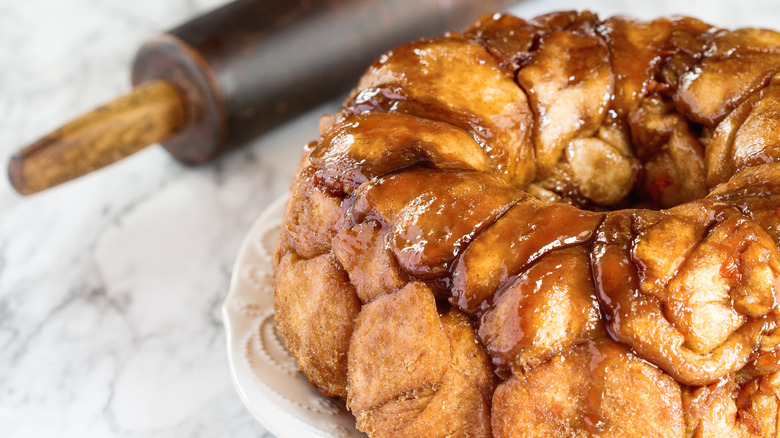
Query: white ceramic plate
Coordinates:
[265,375]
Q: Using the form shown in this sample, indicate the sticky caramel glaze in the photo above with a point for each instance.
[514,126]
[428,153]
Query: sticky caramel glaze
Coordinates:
[734,64]
[457,81]
[748,137]
[690,289]
[369,145]
[523,235]
[545,310]
[673,158]
[365,253]
[511,38]
[637,52]
[432,214]
[412,211]
[570,85]
[584,77]
[596,389]
[756,193]
[744,405]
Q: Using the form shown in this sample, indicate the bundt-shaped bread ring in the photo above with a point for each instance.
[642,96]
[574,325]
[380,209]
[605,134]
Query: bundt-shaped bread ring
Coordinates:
[552,227]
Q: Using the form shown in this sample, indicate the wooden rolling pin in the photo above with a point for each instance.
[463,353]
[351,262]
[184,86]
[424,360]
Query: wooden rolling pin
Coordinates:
[225,77]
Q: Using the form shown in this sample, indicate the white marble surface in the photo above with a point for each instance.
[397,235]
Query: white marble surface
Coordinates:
[111,286]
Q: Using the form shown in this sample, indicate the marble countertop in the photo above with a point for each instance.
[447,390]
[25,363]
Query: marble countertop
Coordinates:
[111,286]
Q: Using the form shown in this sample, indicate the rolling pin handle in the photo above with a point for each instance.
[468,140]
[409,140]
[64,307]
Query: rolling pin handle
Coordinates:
[148,114]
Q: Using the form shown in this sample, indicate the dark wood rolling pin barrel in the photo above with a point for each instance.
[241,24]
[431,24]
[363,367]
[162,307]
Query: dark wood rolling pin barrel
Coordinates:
[225,77]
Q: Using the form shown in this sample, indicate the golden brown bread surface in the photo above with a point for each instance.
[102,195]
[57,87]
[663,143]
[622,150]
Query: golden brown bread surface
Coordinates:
[563,226]
[413,371]
[597,388]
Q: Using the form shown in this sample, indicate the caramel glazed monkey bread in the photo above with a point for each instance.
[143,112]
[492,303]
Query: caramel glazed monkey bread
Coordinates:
[543,228]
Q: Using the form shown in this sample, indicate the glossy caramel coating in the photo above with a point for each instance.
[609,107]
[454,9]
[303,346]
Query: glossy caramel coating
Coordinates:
[547,309]
[673,157]
[570,83]
[690,289]
[519,238]
[415,203]
[733,65]
[559,226]
[365,253]
[375,143]
[457,81]
[756,193]
[740,406]
[748,137]
[596,389]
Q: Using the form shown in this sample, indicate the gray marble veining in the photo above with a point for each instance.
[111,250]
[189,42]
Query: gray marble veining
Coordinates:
[110,286]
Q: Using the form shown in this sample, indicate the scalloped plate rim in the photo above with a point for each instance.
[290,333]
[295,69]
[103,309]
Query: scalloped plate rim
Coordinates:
[261,401]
